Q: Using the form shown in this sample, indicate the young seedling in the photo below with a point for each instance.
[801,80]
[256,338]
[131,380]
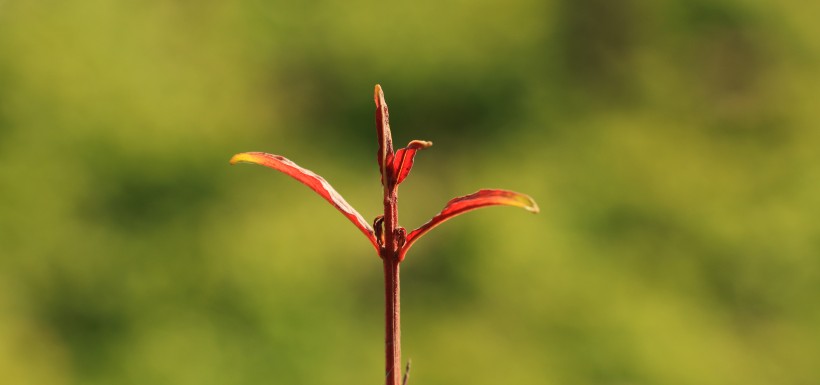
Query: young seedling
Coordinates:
[390,240]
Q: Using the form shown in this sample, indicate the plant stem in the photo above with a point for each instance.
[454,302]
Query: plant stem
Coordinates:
[394,237]
[390,258]
[392,322]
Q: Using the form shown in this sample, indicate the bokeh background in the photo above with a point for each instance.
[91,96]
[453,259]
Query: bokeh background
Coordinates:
[672,146]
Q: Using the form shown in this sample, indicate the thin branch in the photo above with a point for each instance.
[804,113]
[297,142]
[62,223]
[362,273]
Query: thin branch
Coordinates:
[406,373]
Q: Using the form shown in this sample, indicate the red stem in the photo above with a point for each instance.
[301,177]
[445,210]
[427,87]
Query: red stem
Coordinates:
[392,323]
[392,315]
[394,237]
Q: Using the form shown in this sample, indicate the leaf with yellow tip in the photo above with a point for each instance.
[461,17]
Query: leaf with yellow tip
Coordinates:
[460,205]
[312,180]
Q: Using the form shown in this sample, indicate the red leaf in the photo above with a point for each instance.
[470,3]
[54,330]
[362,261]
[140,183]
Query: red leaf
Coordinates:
[383,134]
[466,203]
[315,182]
[402,162]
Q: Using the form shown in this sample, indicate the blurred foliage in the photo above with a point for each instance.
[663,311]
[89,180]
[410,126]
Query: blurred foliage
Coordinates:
[671,145]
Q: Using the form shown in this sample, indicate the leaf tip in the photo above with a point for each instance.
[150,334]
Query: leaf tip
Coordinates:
[420,144]
[527,203]
[260,158]
[239,158]
[533,207]
[378,95]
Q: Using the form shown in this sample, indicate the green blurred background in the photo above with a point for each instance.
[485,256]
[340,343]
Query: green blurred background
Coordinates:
[672,147]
